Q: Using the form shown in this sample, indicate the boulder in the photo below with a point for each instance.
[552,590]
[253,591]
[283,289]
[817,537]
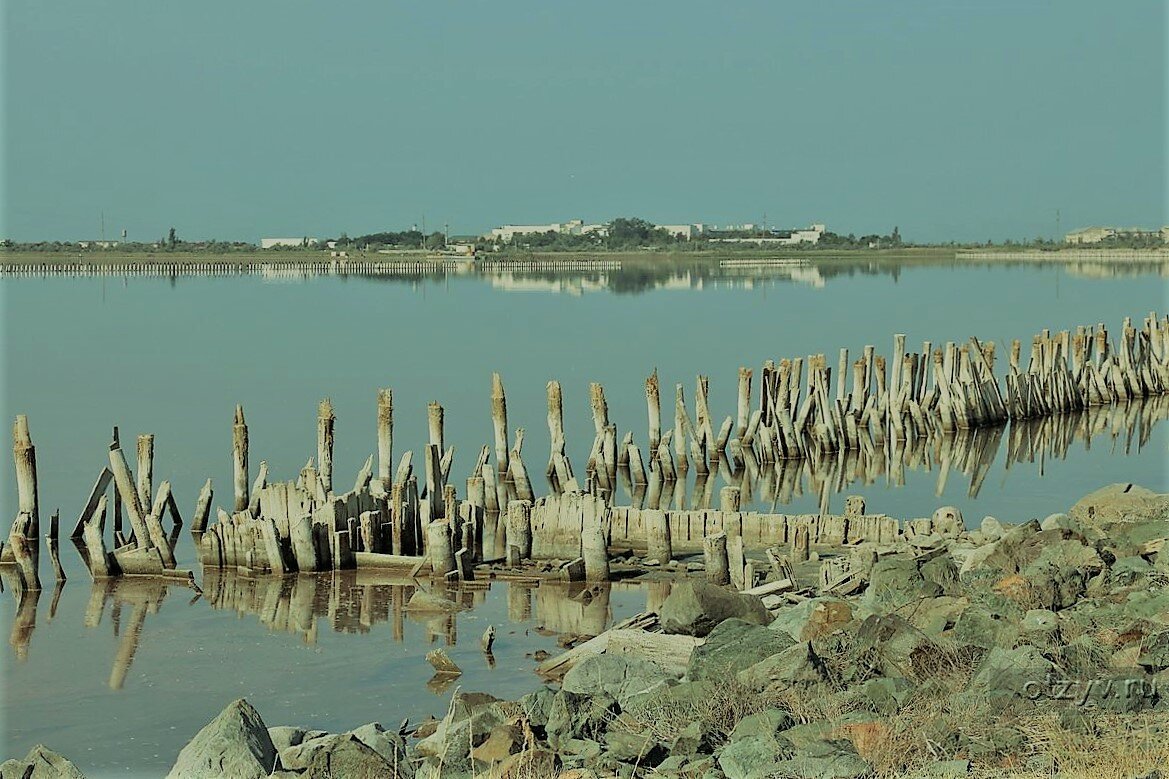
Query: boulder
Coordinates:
[813,618]
[1059,522]
[575,715]
[390,745]
[887,695]
[768,723]
[947,522]
[1059,574]
[40,763]
[620,678]
[694,607]
[896,648]
[285,736]
[1011,672]
[349,757]
[732,646]
[236,743]
[991,529]
[797,665]
[895,582]
[752,758]
[1119,503]
[1039,621]
[840,764]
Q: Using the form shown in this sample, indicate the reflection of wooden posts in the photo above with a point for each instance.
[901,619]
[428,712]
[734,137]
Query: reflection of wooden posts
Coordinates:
[385,437]
[239,453]
[499,423]
[714,553]
[24,622]
[128,646]
[519,602]
[326,422]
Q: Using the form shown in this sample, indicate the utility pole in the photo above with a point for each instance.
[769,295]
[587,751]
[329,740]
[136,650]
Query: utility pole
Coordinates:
[103,226]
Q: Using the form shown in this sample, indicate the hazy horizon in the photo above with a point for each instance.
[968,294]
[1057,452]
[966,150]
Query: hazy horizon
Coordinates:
[234,122]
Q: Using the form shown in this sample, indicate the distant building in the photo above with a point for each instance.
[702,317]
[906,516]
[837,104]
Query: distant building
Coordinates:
[271,243]
[508,233]
[811,235]
[98,244]
[681,231]
[1098,234]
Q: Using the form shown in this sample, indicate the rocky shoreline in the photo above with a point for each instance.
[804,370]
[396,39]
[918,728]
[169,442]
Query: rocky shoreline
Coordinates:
[1038,649]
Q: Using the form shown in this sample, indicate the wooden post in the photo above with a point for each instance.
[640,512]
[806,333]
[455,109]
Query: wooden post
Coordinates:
[154,526]
[743,410]
[519,528]
[657,535]
[438,542]
[51,542]
[595,540]
[385,437]
[271,539]
[499,423]
[434,424]
[325,425]
[239,450]
[636,465]
[99,489]
[800,552]
[24,455]
[433,481]
[519,473]
[654,402]
[145,468]
[101,562]
[129,493]
[681,425]
[714,552]
[258,485]
[300,534]
[202,508]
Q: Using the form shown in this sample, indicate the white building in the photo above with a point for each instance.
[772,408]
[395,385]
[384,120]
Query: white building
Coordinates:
[508,233]
[270,243]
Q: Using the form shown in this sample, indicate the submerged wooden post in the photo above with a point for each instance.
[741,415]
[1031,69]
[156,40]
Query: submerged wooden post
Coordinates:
[519,474]
[239,451]
[101,562]
[681,424]
[99,489]
[743,409]
[22,546]
[145,468]
[300,534]
[325,424]
[714,553]
[499,423]
[385,437]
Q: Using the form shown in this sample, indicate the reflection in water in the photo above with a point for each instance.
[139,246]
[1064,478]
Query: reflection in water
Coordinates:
[350,602]
[1125,428]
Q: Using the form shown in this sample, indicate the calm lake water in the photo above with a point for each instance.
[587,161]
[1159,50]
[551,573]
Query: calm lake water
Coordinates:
[118,680]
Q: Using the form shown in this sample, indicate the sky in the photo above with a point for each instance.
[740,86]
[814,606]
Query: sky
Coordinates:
[965,121]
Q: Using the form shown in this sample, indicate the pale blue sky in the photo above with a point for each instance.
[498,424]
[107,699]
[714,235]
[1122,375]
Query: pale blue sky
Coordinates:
[968,120]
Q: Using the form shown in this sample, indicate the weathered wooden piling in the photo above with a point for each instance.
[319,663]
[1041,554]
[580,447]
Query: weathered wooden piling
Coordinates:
[714,555]
[439,549]
[519,474]
[202,508]
[129,493]
[595,541]
[385,437]
[499,423]
[659,546]
[326,422]
[99,490]
[101,562]
[145,468]
[239,451]
[519,531]
[24,456]
[654,403]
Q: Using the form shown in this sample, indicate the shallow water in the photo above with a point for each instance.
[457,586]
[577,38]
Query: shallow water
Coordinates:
[173,357]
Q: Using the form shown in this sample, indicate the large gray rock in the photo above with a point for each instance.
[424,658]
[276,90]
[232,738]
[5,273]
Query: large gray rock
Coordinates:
[40,763]
[895,582]
[813,618]
[898,649]
[350,758]
[236,743]
[574,715]
[694,607]
[798,665]
[1120,503]
[621,678]
[947,522]
[732,646]
[752,758]
[391,746]
[1012,672]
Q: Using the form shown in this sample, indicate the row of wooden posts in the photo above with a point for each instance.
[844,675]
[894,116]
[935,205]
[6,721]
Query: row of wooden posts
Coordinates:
[395,517]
